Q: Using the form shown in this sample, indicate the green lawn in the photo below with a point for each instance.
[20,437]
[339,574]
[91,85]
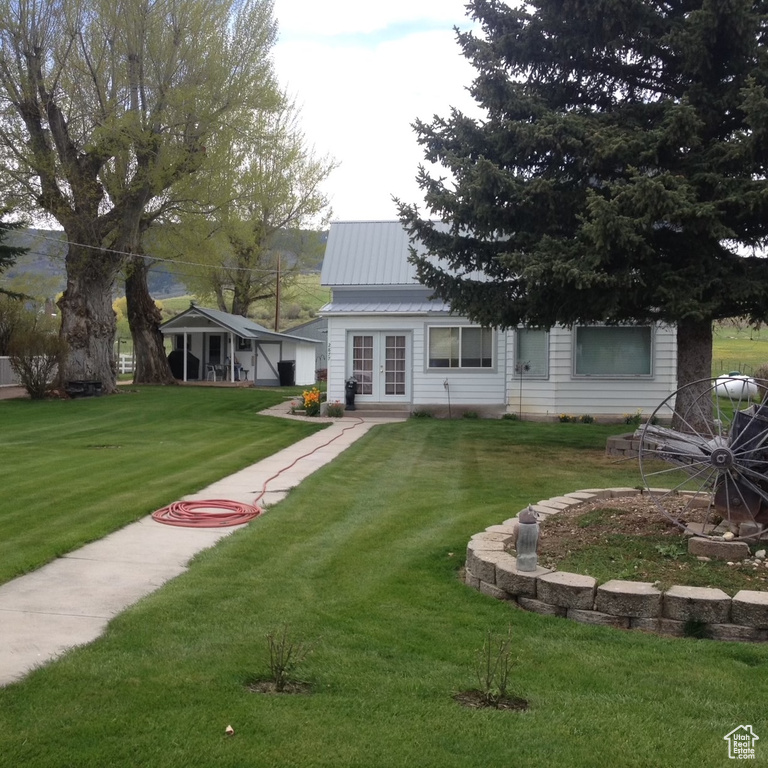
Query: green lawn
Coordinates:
[73,471]
[361,560]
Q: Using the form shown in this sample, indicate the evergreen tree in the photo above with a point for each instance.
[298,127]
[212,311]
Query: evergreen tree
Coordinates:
[618,173]
[9,253]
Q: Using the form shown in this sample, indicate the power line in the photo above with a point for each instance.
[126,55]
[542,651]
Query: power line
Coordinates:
[267,272]
[263,271]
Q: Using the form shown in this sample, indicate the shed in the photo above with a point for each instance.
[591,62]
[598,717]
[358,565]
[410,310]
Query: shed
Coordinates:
[232,348]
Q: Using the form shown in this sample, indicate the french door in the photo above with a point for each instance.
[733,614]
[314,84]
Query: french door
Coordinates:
[381,363]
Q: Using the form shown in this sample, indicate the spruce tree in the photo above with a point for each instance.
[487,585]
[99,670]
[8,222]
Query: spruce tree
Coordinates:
[9,253]
[618,173]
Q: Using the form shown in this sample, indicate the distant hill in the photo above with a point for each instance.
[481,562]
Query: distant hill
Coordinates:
[48,248]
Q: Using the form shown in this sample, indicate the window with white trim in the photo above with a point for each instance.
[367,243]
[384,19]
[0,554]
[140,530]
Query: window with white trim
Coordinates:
[612,351]
[460,347]
[532,353]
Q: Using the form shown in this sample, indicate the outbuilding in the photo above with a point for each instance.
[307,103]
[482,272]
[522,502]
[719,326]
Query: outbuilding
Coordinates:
[234,348]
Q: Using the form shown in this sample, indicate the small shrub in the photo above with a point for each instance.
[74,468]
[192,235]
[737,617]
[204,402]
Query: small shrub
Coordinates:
[586,419]
[564,418]
[285,655]
[634,418]
[470,415]
[422,414]
[510,417]
[335,410]
[34,356]
[494,666]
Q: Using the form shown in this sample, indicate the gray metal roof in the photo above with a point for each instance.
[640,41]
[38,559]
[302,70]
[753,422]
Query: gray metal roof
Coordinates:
[367,253]
[240,326]
[384,307]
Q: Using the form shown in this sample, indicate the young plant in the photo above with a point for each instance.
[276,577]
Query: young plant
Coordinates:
[494,666]
[285,655]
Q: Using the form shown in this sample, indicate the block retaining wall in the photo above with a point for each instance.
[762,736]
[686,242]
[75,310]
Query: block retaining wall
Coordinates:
[625,446]
[492,569]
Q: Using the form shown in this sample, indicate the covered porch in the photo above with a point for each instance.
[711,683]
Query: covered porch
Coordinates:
[216,347]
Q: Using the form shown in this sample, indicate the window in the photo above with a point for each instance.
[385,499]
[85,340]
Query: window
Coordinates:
[243,345]
[532,353]
[460,347]
[612,351]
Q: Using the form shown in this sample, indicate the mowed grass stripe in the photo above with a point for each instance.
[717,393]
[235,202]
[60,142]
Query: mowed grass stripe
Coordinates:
[74,471]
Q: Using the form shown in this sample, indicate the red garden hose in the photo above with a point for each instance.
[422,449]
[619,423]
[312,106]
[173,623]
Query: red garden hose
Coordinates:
[199,514]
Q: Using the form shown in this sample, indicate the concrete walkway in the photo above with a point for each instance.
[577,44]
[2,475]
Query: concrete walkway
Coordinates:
[70,601]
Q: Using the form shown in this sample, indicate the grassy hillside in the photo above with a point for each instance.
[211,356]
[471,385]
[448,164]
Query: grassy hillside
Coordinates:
[739,348]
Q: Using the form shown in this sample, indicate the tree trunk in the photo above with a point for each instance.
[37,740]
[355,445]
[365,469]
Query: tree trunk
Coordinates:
[87,319]
[144,321]
[693,407]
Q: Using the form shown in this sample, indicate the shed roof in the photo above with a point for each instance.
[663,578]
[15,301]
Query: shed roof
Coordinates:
[241,326]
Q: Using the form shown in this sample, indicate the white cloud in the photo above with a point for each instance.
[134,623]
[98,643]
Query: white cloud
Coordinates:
[360,96]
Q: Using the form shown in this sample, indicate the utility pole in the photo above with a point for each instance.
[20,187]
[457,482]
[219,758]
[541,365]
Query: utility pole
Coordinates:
[277,297]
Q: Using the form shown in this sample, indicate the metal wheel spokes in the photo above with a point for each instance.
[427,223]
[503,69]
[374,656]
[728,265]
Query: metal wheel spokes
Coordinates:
[706,466]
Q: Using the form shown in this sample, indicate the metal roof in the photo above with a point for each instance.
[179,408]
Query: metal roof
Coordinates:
[367,253]
[241,326]
[385,307]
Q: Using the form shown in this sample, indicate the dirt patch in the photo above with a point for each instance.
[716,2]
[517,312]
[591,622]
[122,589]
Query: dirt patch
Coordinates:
[631,516]
[268,686]
[629,538]
[478,700]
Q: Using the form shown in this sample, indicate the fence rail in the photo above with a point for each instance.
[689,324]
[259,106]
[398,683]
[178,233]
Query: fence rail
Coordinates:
[125,363]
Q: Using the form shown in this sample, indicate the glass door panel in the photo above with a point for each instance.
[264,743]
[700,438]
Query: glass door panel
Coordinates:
[362,363]
[394,365]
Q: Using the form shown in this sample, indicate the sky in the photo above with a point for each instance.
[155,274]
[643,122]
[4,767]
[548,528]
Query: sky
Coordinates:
[361,73]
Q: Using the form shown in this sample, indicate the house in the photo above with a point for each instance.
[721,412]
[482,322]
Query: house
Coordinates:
[208,343]
[407,350]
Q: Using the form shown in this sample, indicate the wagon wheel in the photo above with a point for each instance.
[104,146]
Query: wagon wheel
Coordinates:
[709,474]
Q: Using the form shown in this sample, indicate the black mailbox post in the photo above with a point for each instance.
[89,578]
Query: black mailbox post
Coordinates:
[350,390]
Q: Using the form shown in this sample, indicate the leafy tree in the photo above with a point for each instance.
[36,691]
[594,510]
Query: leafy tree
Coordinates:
[618,173]
[262,189]
[105,106]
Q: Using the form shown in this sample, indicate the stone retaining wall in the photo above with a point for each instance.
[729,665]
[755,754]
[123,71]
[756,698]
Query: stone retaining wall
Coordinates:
[492,569]
[625,446]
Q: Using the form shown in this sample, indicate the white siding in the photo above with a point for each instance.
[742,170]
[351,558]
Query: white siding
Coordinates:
[470,387]
[597,396]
